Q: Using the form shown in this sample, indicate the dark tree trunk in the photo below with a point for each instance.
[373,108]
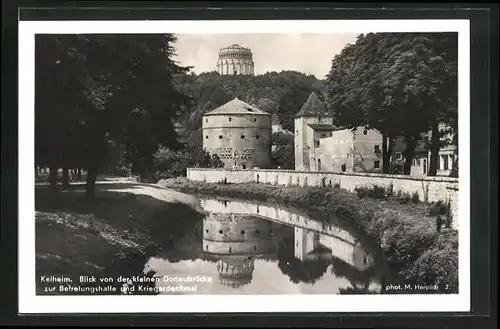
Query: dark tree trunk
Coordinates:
[91,179]
[37,171]
[65,183]
[387,145]
[53,177]
[434,148]
[409,153]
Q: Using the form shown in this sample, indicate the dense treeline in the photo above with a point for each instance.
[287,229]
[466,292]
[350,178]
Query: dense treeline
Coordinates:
[282,93]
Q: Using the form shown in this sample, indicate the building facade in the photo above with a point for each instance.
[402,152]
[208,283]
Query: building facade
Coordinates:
[235,60]
[351,151]
[321,146]
[311,123]
[240,134]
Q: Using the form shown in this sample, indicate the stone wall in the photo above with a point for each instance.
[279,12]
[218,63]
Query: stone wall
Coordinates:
[430,189]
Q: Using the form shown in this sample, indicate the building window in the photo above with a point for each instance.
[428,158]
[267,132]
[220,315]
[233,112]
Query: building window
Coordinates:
[399,155]
[206,137]
[220,136]
[365,132]
[242,136]
[242,232]
[445,162]
[254,119]
[220,231]
[376,164]
[244,166]
[377,148]
[206,120]
[257,136]
[317,143]
[297,132]
[323,135]
[229,119]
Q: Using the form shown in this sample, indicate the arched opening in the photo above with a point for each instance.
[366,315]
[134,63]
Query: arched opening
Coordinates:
[206,137]
[258,181]
[244,166]
[319,164]
[242,136]
[323,182]
[330,183]
[220,136]
[220,231]
[344,167]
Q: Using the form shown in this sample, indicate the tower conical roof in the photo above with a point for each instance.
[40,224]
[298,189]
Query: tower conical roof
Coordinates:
[312,107]
[237,106]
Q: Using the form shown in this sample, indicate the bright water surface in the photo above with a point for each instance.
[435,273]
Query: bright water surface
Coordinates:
[250,248]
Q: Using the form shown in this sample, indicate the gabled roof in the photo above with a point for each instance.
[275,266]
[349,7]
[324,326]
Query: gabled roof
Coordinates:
[236,106]
[312,107]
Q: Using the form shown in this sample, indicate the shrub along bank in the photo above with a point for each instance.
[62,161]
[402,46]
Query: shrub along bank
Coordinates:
[408,234]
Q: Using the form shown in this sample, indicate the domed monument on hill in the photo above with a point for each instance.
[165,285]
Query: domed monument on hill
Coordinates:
[234,60]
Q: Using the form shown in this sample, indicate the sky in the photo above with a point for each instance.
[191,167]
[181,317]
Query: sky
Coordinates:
[307,53]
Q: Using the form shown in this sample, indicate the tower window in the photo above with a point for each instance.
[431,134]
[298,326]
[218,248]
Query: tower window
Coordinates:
[376,164]
[220,231]
[220,136]
[365,132]
[229,119]
[242,232]
[376,148]
[234,72]
[257,136]
[206,137]
[242,136]
[254,119]
[206,120]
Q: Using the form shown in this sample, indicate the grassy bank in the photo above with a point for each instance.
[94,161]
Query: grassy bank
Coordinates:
[110,236]
[405,232]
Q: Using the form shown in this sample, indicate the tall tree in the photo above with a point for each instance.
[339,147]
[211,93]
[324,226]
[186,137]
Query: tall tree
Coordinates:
[397,83]
[120,89]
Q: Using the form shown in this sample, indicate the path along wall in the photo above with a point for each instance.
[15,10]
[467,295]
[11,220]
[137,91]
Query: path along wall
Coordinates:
[430,189]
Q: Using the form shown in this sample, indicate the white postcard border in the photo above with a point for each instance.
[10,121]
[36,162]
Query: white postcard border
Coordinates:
[30,303]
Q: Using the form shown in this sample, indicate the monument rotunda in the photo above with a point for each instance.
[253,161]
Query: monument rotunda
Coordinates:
[234,60]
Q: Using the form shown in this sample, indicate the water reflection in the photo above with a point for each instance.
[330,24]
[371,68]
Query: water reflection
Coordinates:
[256,248]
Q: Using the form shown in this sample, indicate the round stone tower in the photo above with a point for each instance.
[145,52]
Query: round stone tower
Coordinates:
[235,60]
[240,134]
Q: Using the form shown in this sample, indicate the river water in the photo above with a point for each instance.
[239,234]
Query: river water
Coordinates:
[242,247]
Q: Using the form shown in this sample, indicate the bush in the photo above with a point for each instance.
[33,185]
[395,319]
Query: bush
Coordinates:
[415,199]
[375,192]
[171,163]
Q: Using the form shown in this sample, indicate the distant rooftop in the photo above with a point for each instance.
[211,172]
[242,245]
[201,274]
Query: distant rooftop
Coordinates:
[236,106]
[312,107]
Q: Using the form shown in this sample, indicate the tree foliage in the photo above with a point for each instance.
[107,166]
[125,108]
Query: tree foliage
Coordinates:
[91,89]
[282,93]
[398,83]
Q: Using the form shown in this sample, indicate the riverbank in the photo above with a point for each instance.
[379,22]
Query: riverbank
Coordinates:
[406,233]
[113,235]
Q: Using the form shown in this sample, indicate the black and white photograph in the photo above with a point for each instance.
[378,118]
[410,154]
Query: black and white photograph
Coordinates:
[207,163]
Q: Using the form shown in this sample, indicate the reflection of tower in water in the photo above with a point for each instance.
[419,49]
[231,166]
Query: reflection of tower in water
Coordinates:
[236,240]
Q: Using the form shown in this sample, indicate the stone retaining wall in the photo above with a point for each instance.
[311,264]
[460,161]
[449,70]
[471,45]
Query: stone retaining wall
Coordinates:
[430,189]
